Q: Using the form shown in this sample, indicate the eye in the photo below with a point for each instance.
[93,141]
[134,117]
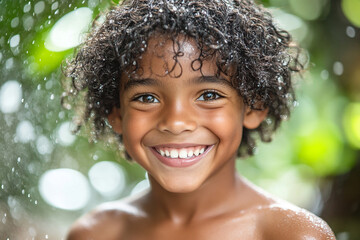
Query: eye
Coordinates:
[209,96]
[146,98]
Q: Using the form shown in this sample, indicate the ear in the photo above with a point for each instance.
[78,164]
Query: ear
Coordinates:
[253,118]
[115,120]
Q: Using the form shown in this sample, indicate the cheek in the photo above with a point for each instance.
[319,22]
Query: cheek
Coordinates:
[134,128]
[227,125]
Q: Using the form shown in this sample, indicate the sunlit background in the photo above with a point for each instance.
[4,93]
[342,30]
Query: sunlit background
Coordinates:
[49,177]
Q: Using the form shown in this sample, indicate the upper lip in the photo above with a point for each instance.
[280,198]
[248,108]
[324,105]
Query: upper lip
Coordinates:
[179,145]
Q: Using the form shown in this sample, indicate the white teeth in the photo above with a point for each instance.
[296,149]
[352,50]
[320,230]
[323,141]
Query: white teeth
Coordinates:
[190,153]
[174,153]
[167,153]
[197,152]
[162,153]
[202,150]
[183,153]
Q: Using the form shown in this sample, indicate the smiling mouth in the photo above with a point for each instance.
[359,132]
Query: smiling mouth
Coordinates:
[182,153]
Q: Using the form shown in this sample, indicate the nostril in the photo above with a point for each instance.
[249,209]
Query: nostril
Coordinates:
[177,117]
[177,127]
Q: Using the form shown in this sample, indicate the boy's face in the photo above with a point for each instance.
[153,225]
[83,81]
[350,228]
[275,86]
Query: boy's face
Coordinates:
[182,129]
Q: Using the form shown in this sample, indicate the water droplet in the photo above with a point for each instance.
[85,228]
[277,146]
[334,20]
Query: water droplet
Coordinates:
[161,10]
[35,202]
[46,236]
[350,32]
[19,159]
[55,6]
[23,191]
[324,74]
[93,3]
[283,117]
[12,170]
[27,7]
[39,7]
[2,186]
[338,68]
[52,96]
[61,115]
[15,22]
[14,40]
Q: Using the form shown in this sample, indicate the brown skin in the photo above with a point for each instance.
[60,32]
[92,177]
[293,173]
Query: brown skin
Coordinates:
[207,200]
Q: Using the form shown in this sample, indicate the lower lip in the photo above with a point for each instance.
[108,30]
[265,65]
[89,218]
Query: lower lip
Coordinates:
[181,162]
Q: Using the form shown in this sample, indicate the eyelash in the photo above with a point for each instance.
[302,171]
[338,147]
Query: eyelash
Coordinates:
[142,97]
[214,92]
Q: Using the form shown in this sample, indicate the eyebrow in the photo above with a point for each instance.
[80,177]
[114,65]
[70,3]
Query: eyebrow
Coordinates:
[153,82]
[212,79]
[140,82]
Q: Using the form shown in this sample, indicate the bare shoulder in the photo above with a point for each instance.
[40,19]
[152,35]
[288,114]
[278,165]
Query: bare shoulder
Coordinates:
[285,221]
[106,222]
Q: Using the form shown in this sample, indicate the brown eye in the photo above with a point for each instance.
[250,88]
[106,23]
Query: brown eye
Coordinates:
[209,96]
[147,98]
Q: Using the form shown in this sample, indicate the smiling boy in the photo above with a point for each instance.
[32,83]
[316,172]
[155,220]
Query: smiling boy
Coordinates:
[185,83]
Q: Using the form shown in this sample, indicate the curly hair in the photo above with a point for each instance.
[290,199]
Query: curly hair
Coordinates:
[240,34]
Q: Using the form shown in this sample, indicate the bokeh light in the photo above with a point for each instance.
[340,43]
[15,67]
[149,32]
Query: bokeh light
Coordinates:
[67,31]
[107,178]
[65,189]
[10,96]
[65,135]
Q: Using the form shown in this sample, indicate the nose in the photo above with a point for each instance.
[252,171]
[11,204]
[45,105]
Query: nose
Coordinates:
[177,117]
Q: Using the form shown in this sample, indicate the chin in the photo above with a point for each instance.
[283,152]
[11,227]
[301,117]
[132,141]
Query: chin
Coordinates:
[180,187]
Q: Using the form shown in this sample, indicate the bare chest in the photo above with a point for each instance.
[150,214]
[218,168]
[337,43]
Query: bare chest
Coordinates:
[224,229]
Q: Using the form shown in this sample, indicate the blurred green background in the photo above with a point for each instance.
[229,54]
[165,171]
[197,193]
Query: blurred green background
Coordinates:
[49,177]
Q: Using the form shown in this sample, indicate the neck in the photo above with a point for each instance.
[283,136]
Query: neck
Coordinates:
[214,197]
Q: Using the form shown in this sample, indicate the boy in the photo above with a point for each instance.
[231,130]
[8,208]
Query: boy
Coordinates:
[184,83]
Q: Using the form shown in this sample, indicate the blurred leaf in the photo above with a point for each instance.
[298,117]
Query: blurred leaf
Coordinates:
[351,9]
[352,124]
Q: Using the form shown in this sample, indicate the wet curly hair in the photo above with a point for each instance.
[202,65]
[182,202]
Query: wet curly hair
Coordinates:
[239,34]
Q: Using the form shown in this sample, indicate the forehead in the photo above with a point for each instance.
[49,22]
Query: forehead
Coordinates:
[166,55]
